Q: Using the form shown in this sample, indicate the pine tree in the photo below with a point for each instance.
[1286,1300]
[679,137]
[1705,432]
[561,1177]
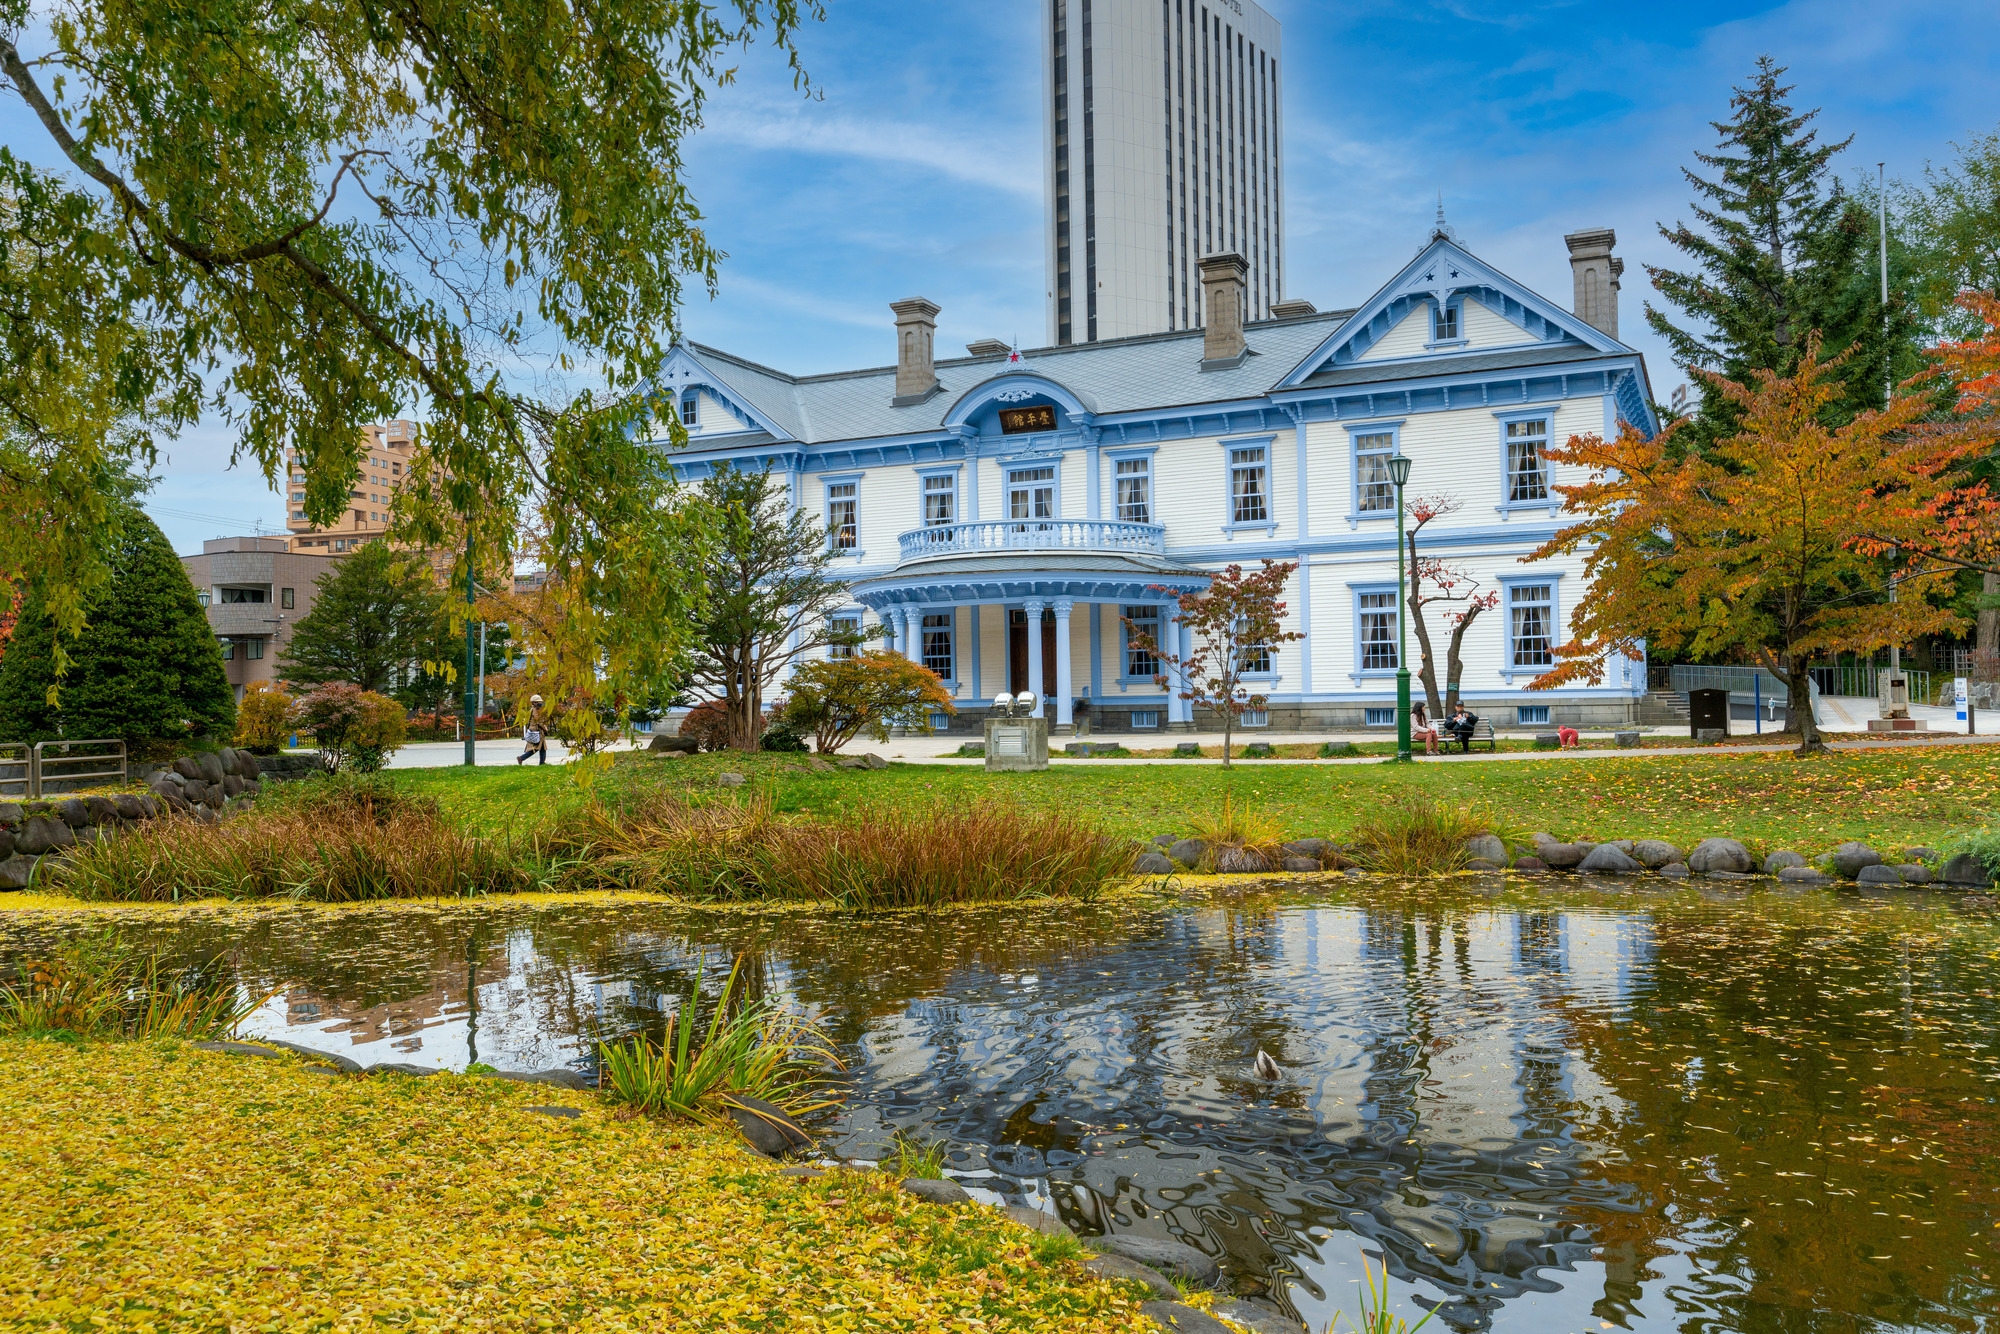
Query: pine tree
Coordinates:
[147,667]
[1785,252]
[374,622]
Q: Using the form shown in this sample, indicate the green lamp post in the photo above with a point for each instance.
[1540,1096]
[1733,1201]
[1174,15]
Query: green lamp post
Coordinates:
[1399,473]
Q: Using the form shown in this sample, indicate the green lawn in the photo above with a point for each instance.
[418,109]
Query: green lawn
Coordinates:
[1890,798]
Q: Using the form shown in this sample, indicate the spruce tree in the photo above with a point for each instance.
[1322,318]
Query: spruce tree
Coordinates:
[1783,251]
[147,667]
[374,621]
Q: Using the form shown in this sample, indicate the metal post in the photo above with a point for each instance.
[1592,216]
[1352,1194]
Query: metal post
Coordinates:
[1757,700]
[1399,473]
[482,670]
[470,717]
[1882,216]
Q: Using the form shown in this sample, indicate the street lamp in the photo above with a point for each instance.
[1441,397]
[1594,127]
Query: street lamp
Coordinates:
[1399,473]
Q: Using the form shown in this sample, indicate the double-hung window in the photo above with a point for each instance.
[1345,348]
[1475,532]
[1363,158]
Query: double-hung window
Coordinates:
[937,643]
[1374,493]
[1249,486]
[940,499]
[848,624]
[1135,490]
[842,528]
[1378,632]
[1031,494]
[691,410]
[1527,471]
[1253,659]
[1531,624]
[1142,627]
[1444,323]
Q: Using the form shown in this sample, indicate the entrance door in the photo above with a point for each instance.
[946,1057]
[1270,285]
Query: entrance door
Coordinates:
[1017,651]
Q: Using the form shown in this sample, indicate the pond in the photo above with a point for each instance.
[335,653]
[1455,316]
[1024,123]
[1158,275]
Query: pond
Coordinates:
[1602,1107]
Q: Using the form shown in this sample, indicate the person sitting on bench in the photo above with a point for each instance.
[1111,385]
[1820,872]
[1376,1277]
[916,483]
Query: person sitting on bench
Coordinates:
[1460,725]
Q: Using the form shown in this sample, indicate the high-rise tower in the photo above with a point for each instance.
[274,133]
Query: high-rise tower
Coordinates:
[1161,122]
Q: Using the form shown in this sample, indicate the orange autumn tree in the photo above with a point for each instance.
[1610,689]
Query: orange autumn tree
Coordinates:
[1775,547]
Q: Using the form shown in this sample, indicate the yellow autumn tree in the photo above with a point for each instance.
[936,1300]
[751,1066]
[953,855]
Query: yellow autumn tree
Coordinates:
[1777,545]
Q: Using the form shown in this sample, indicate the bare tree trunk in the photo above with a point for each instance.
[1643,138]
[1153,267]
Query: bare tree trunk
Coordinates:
[1426,665]
[1228,731]
[1454,663]
[1986,639]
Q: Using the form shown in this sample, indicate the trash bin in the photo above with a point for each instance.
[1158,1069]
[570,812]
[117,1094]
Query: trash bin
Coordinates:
[1708,710]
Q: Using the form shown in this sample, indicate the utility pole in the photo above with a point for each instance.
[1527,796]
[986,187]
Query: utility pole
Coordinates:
[482,671]
[471,718]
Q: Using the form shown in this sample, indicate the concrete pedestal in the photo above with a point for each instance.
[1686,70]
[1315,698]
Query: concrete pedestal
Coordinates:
[1017,743]
[1898,725]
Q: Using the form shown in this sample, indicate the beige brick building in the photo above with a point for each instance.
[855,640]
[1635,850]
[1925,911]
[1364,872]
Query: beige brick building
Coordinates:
[254,590]
[387,466]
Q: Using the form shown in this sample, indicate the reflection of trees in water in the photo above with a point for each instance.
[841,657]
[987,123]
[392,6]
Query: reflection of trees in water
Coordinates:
[1777,1087]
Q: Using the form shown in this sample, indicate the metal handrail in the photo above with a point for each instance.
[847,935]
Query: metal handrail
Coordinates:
[40,760]
[1750,684]
[17,755]
[1034,535]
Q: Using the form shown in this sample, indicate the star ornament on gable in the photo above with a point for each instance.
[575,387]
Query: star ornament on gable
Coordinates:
[1014,354]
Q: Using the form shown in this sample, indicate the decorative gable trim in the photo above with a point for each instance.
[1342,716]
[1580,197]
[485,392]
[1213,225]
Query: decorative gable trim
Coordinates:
[682,371]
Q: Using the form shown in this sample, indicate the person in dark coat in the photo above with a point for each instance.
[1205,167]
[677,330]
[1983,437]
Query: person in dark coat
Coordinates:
[1460,725]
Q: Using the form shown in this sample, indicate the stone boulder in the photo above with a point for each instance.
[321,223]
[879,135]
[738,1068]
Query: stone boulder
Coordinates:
[1606,859]
[1803,875]
[247,767]
[210,765]
[1562,856]
[1164,841]
[729,780]
[1850,858]
[1530,865]
[1036,1220]
[1307,847]
[43,834]
[769,1129]
[937,1192]
[1720,854]
[1782,859]
[1183,1319]
[1131,1271]
[1965,869]
[10,815]
[1878,874]
[1169,1257]
[1548,740]
[1188,852]
[1674,870]
[187,766]
[1481,864]
[6,844]
[1652,854]
[233,785]
[1486,847]
[1301,864]
[679,745]
[874,761]
[1153,863]
[1914,873]
[74,812]
[103,810]
[17,872]
[1256,1317]
[1241,861]
[1920,854]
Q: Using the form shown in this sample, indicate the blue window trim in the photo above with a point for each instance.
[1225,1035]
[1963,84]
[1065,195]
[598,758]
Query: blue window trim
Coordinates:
[1125,643]
[1268,443]
[1547,413]
[1393,427]
[951,470]
[951,614]
[1508,583]
[1520,709]
[692,394]
[827,481]
[1008,467]
[1358,672]
[1125,454]
[1455,302]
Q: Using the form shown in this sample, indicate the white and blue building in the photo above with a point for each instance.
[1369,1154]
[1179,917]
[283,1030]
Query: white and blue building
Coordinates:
[1006,518]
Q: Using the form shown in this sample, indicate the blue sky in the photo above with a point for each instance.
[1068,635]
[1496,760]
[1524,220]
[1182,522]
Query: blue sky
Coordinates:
[918,170]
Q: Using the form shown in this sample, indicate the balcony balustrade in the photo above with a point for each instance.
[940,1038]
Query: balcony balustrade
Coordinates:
[1006,535]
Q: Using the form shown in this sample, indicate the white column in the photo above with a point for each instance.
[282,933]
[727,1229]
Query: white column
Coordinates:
[1064,709]
[892,618]
[913,632]
[1034,613]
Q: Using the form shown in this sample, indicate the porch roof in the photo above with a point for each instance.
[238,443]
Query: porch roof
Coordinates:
[1081,577]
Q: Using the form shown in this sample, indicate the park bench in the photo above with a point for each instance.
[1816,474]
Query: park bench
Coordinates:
[1481,731]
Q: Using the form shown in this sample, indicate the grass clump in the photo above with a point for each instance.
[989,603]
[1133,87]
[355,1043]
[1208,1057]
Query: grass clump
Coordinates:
[333,840]
[751,1048]
[98,986]
[1376,1317]
[1416,834]
[1234,832]
[915,855]
[909,1157]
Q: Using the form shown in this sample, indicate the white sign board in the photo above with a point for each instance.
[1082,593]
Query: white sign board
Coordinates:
[1958,694]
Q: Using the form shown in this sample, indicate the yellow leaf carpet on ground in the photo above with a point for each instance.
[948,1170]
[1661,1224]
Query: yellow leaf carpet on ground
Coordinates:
[153,1186]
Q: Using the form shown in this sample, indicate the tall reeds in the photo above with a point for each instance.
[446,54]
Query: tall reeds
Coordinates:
[1416,835]
[749,1047]
[879,857]
[97,986]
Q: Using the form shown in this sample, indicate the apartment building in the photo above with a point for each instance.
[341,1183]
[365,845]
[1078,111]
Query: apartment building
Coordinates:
[254,589]
[387,466]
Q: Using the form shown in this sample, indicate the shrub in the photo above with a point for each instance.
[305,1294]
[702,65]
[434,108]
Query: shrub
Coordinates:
[780,734]
[837,699]
[752,1048]
[707,725]
[1983,845]
[263,719]
[349,722]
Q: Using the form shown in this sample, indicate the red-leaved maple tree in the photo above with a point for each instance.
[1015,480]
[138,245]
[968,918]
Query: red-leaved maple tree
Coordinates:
[1239,623]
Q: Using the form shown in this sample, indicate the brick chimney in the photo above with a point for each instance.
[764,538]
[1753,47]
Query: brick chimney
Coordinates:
[1596,273]
[916,368]
[1222,283]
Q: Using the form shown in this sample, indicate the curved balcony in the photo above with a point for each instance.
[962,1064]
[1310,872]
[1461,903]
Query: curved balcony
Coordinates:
[1003,535]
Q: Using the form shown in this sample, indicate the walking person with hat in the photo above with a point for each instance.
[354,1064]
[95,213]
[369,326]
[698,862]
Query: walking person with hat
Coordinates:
[535,734]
